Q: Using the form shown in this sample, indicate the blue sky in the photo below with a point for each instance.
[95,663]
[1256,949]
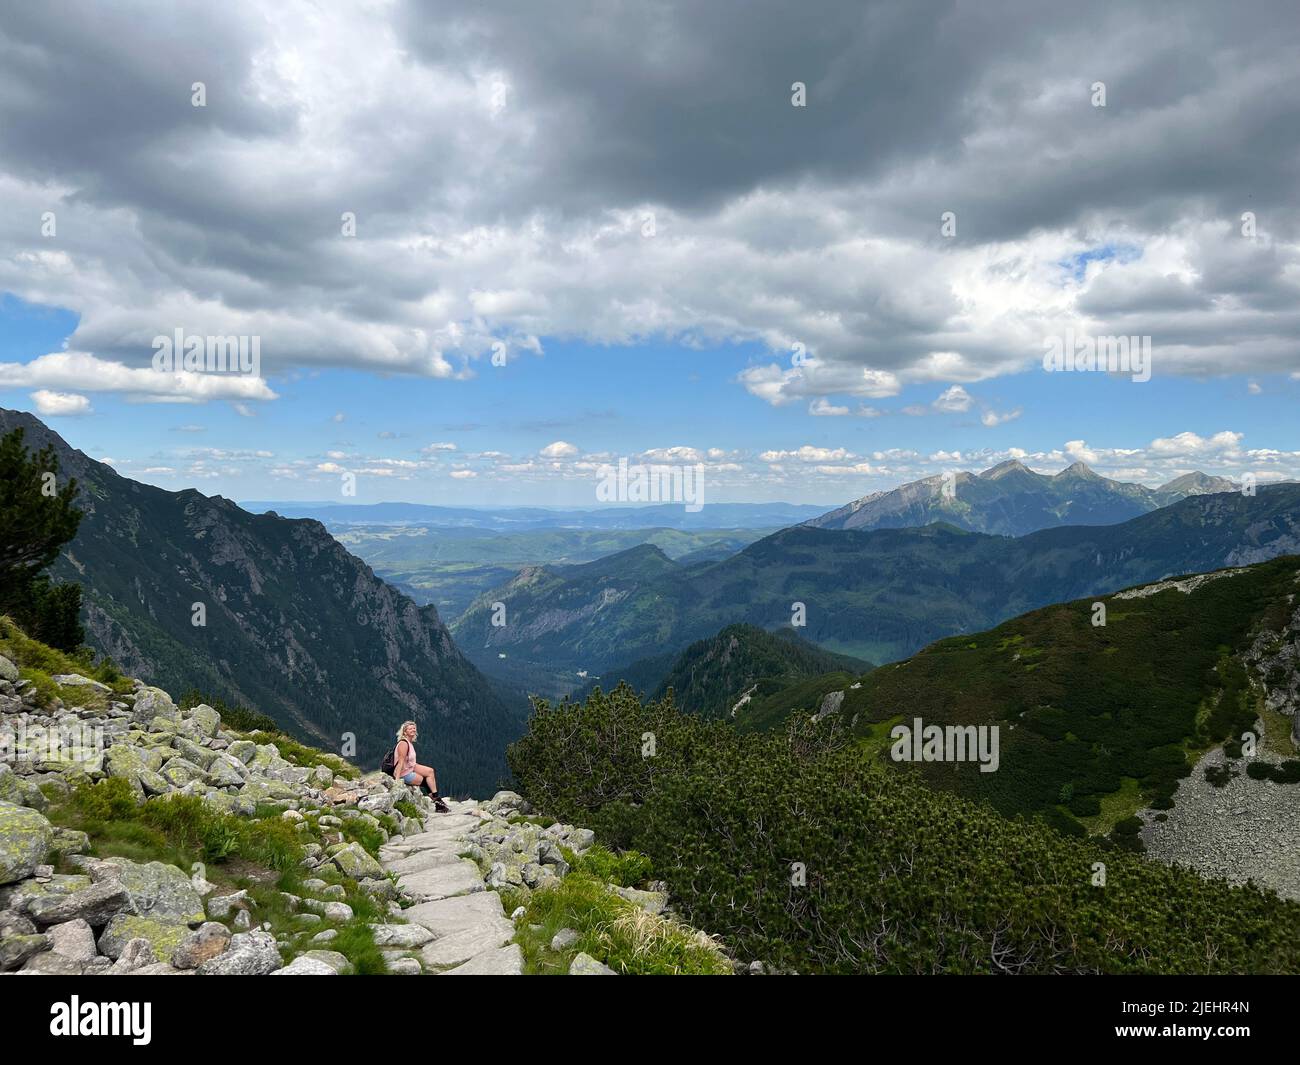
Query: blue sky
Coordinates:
[624,402]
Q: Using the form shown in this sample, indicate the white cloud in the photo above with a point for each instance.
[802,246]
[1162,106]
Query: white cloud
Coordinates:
[672,455]
[992,418]
[953,400]
[807,453]
[558,450]
[85,372]
[1191,444]
[59,404]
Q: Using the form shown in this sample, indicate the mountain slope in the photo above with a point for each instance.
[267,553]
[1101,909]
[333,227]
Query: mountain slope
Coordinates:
[741,663]
[1012,500]
[878,594]
[1099,721]
[296,627]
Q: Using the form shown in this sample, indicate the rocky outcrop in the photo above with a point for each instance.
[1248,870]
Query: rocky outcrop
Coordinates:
[439,876]
[64,911]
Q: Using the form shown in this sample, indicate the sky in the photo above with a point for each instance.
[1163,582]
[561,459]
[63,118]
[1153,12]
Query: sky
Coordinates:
[487,249]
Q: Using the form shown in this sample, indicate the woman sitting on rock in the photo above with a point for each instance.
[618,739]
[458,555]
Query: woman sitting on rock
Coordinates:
[408,771]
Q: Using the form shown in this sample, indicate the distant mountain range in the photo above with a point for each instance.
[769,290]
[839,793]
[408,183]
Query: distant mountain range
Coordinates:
[294,625]
[1012,500]
[878,594]
[516,519]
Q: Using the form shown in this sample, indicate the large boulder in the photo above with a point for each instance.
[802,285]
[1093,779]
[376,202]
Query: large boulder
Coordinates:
[249,954]
[194,752]
[25,837]
[205,719]
[96,904]
[226,772]
[355,861]
[181,771]
[203,944]
[8,671]
[76,680]
[17,948]
[75,940]
[20,792]
[156,889]
[139,765]
[163,936]
[151,703]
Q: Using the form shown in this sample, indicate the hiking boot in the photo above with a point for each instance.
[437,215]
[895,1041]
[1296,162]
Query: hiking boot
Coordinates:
[441,807]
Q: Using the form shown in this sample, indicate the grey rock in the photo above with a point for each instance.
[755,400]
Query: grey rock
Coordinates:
[586,965]
[96,905]
[250,954]
[25,838]
[163,936]
[336,961]
[306,966]
[222,905]
[135,954]
[16,949]
[156,889]
[206,942]
[73,939]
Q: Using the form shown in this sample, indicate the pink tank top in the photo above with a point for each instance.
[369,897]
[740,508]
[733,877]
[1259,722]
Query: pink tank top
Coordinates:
[407,764]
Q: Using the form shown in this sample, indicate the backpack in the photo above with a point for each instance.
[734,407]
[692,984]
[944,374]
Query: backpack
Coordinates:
[389,762]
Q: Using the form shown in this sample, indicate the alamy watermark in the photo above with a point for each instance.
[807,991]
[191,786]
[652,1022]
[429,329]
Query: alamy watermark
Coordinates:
[190,353]
[654,483]
[919,742]
[1099,354]
[74,742]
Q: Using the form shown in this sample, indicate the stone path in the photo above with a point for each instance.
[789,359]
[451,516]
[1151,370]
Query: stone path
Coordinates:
[466,930]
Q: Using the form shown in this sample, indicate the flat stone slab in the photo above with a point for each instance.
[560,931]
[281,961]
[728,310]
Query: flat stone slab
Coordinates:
[440,837]
[454,914]
[458,947]
[503,961]
[442,882]
[448,854]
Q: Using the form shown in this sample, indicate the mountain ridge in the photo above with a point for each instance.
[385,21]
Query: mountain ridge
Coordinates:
[292,624]
[1012,499]
[878,594]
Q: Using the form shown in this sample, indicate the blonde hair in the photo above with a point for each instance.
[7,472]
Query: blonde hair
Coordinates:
[401,731]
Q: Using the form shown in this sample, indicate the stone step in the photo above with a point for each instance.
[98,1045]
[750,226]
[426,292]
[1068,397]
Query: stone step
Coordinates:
[442,881]
[467,943]
[502,961]
[445,916]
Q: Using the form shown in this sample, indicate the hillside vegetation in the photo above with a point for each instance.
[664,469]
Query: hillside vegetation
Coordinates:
[1087,712]
[809,854]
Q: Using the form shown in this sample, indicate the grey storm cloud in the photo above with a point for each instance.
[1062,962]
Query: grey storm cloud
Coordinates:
[502,160]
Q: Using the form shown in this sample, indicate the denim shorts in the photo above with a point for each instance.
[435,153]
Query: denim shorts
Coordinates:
[409,778]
